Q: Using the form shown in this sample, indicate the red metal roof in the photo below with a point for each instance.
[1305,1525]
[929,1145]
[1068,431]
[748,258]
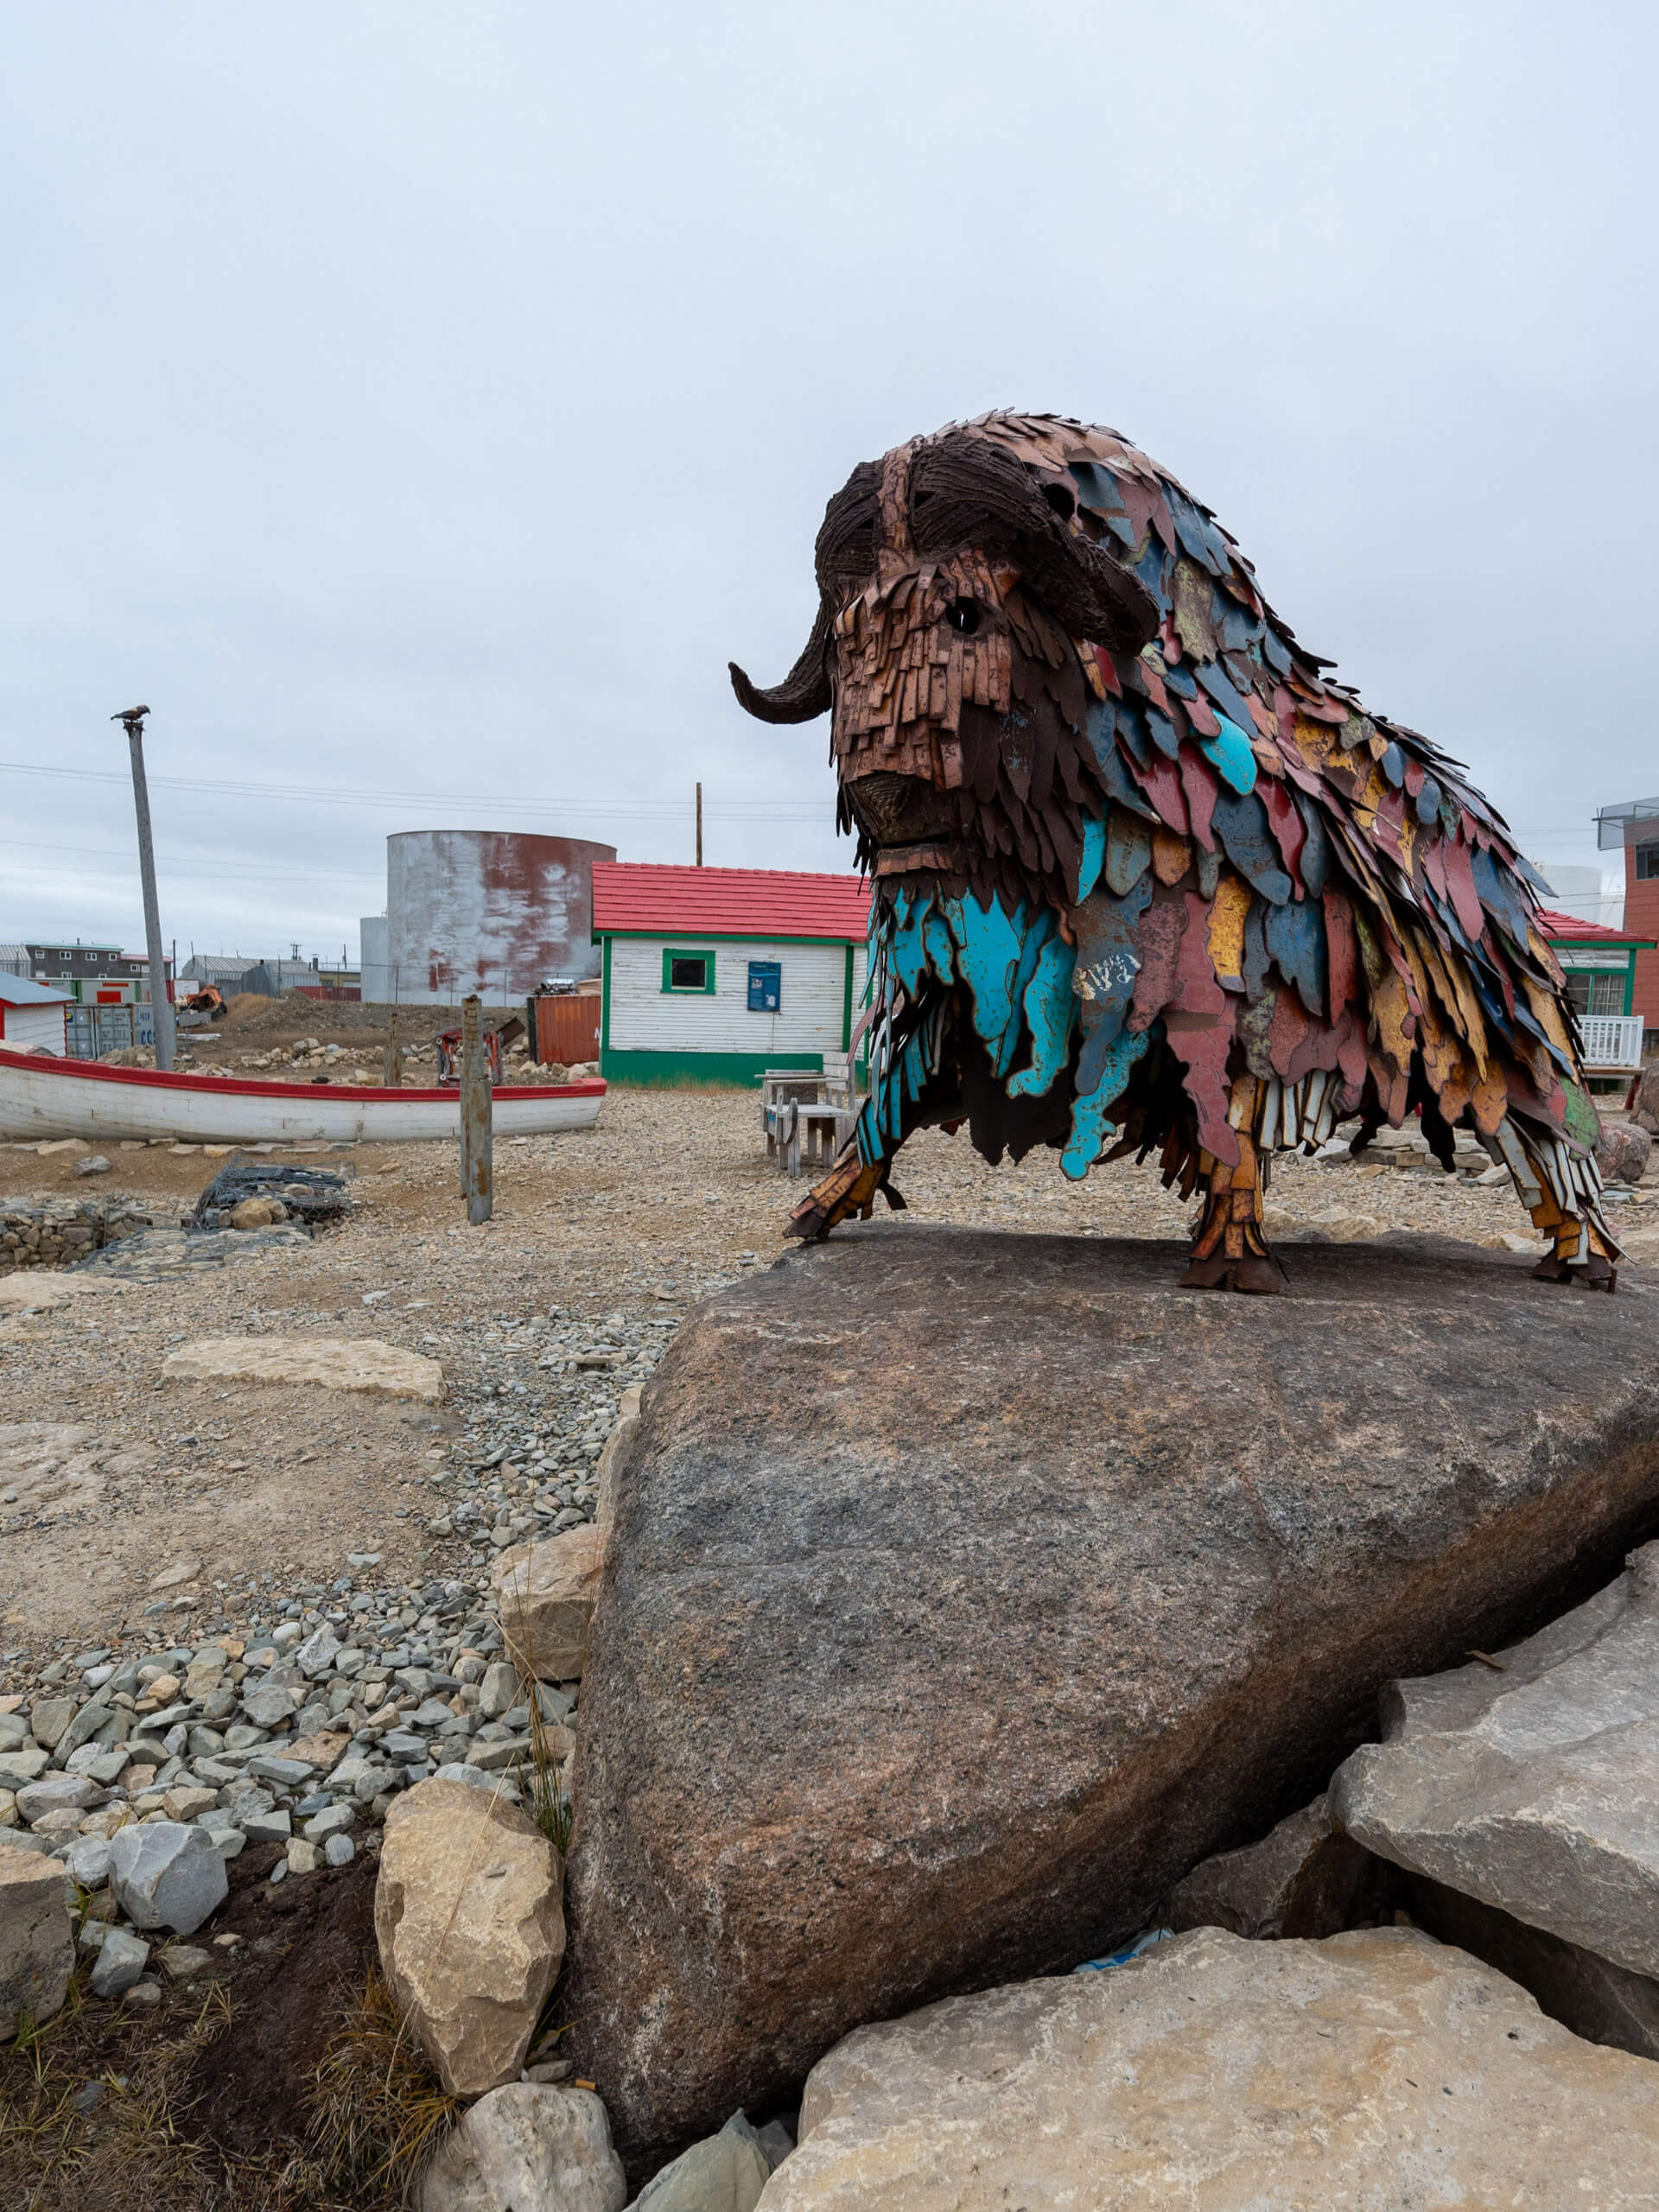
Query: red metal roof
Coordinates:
[1560,928]
[729,901]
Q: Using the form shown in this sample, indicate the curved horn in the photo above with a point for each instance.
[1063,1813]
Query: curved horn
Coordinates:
[960,481]
[845,553]
[804,692]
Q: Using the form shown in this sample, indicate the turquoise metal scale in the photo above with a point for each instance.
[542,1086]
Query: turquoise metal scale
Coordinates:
[1021,979]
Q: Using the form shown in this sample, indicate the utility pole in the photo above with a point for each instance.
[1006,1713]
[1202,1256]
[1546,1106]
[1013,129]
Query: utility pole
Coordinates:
[699,825]
[132,719]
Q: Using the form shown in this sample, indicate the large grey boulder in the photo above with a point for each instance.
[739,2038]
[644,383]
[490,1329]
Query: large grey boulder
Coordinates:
[167,1874]
[966,1591]
[37,1943]
[527,2148]
[1623,1150]
[1378,2070]
[1533,1788]
[1589,1994]
[1304,1878]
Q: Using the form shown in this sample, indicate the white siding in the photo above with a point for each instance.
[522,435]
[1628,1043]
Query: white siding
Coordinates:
[647,1019]
[33,1028]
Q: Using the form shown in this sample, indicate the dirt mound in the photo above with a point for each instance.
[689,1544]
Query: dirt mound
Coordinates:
[308,1946]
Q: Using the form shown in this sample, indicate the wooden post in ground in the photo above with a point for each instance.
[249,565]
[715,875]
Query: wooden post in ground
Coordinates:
[477,1151]
[394,1055]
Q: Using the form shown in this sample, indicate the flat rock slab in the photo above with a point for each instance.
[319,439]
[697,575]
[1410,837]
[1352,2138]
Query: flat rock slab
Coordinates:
[1377,2071]
[1534,1785]
[333,1362]
[967,1590]
[38,1290]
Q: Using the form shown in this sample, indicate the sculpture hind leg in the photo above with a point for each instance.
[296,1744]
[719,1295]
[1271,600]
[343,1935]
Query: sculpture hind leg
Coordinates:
[1230,1251]
[1561,1188]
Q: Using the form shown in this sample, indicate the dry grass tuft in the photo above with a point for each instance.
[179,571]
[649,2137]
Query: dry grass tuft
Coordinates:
[378,2110]
[372,2120]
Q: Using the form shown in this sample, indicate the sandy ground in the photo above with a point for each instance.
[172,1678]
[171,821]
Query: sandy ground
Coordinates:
[670,1197]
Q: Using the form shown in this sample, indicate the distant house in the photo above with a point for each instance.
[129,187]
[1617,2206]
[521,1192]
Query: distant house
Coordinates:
[1601,982]
[712,975]
[1634,825]
[90,975]
[226,970]
[32,1016]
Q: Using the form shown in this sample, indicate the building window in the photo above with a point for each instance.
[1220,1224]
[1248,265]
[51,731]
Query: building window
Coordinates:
[1647,862]
[688,971]
[1596,993]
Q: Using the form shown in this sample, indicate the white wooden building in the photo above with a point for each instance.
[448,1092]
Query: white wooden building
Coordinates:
[710,975]
[32,1016]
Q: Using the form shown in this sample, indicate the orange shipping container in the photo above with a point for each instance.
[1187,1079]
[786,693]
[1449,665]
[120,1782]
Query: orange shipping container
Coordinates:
[566,1027]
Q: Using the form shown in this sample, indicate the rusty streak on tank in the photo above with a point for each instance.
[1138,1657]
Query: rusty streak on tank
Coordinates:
[487,910]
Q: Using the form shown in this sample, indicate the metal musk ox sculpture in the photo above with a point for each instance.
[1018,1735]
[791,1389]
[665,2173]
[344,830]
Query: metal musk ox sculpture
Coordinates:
[1146,878]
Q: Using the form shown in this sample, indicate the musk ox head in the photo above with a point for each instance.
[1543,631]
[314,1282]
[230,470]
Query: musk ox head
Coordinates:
[963,593]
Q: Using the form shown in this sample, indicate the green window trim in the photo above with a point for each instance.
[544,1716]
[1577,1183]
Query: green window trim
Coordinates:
[702,952]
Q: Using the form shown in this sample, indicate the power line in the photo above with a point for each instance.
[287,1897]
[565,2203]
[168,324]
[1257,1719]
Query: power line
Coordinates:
[631,810]
[179,865]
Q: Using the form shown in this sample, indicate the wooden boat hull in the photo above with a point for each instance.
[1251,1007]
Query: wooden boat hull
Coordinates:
[43,1096]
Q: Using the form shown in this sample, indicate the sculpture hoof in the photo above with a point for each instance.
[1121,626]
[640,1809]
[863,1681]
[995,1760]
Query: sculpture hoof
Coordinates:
[1596,1274]
[1255,1277]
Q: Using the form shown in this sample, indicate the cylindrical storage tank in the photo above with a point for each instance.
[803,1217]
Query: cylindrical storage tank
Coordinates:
[490,911]
[372,960]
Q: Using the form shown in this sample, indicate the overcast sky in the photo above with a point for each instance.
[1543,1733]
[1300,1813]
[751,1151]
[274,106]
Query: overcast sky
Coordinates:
[416,406]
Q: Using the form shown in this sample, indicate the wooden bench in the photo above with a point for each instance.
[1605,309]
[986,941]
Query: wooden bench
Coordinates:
[807,1115]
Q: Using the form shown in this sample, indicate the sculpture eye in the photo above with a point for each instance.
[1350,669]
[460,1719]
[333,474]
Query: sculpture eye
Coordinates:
[963,616]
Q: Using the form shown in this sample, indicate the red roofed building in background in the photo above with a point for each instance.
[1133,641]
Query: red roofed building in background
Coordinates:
[1603,975]
[712,975]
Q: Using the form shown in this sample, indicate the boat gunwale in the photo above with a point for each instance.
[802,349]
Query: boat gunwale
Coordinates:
[218,1086]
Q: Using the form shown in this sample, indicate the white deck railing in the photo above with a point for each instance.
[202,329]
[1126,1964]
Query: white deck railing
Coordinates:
[1612,1040]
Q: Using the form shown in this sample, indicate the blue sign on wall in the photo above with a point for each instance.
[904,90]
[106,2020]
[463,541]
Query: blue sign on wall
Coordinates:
[766,986]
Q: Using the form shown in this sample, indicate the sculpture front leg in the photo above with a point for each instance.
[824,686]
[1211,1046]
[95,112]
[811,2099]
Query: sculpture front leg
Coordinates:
[1230,1250]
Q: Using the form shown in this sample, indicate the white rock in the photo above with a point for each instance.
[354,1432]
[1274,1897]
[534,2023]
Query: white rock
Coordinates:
[498,1691]
[468,1918]
[724,2173]
[339,1851]
[333,1363]
[122,1957]
[55,1793]
[37,1941]
[318,1653]
[334,1820]
[1533,1788]
[528,2148]
[1378,2069]
[478,1777]
[167,1875]
[87,1861]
